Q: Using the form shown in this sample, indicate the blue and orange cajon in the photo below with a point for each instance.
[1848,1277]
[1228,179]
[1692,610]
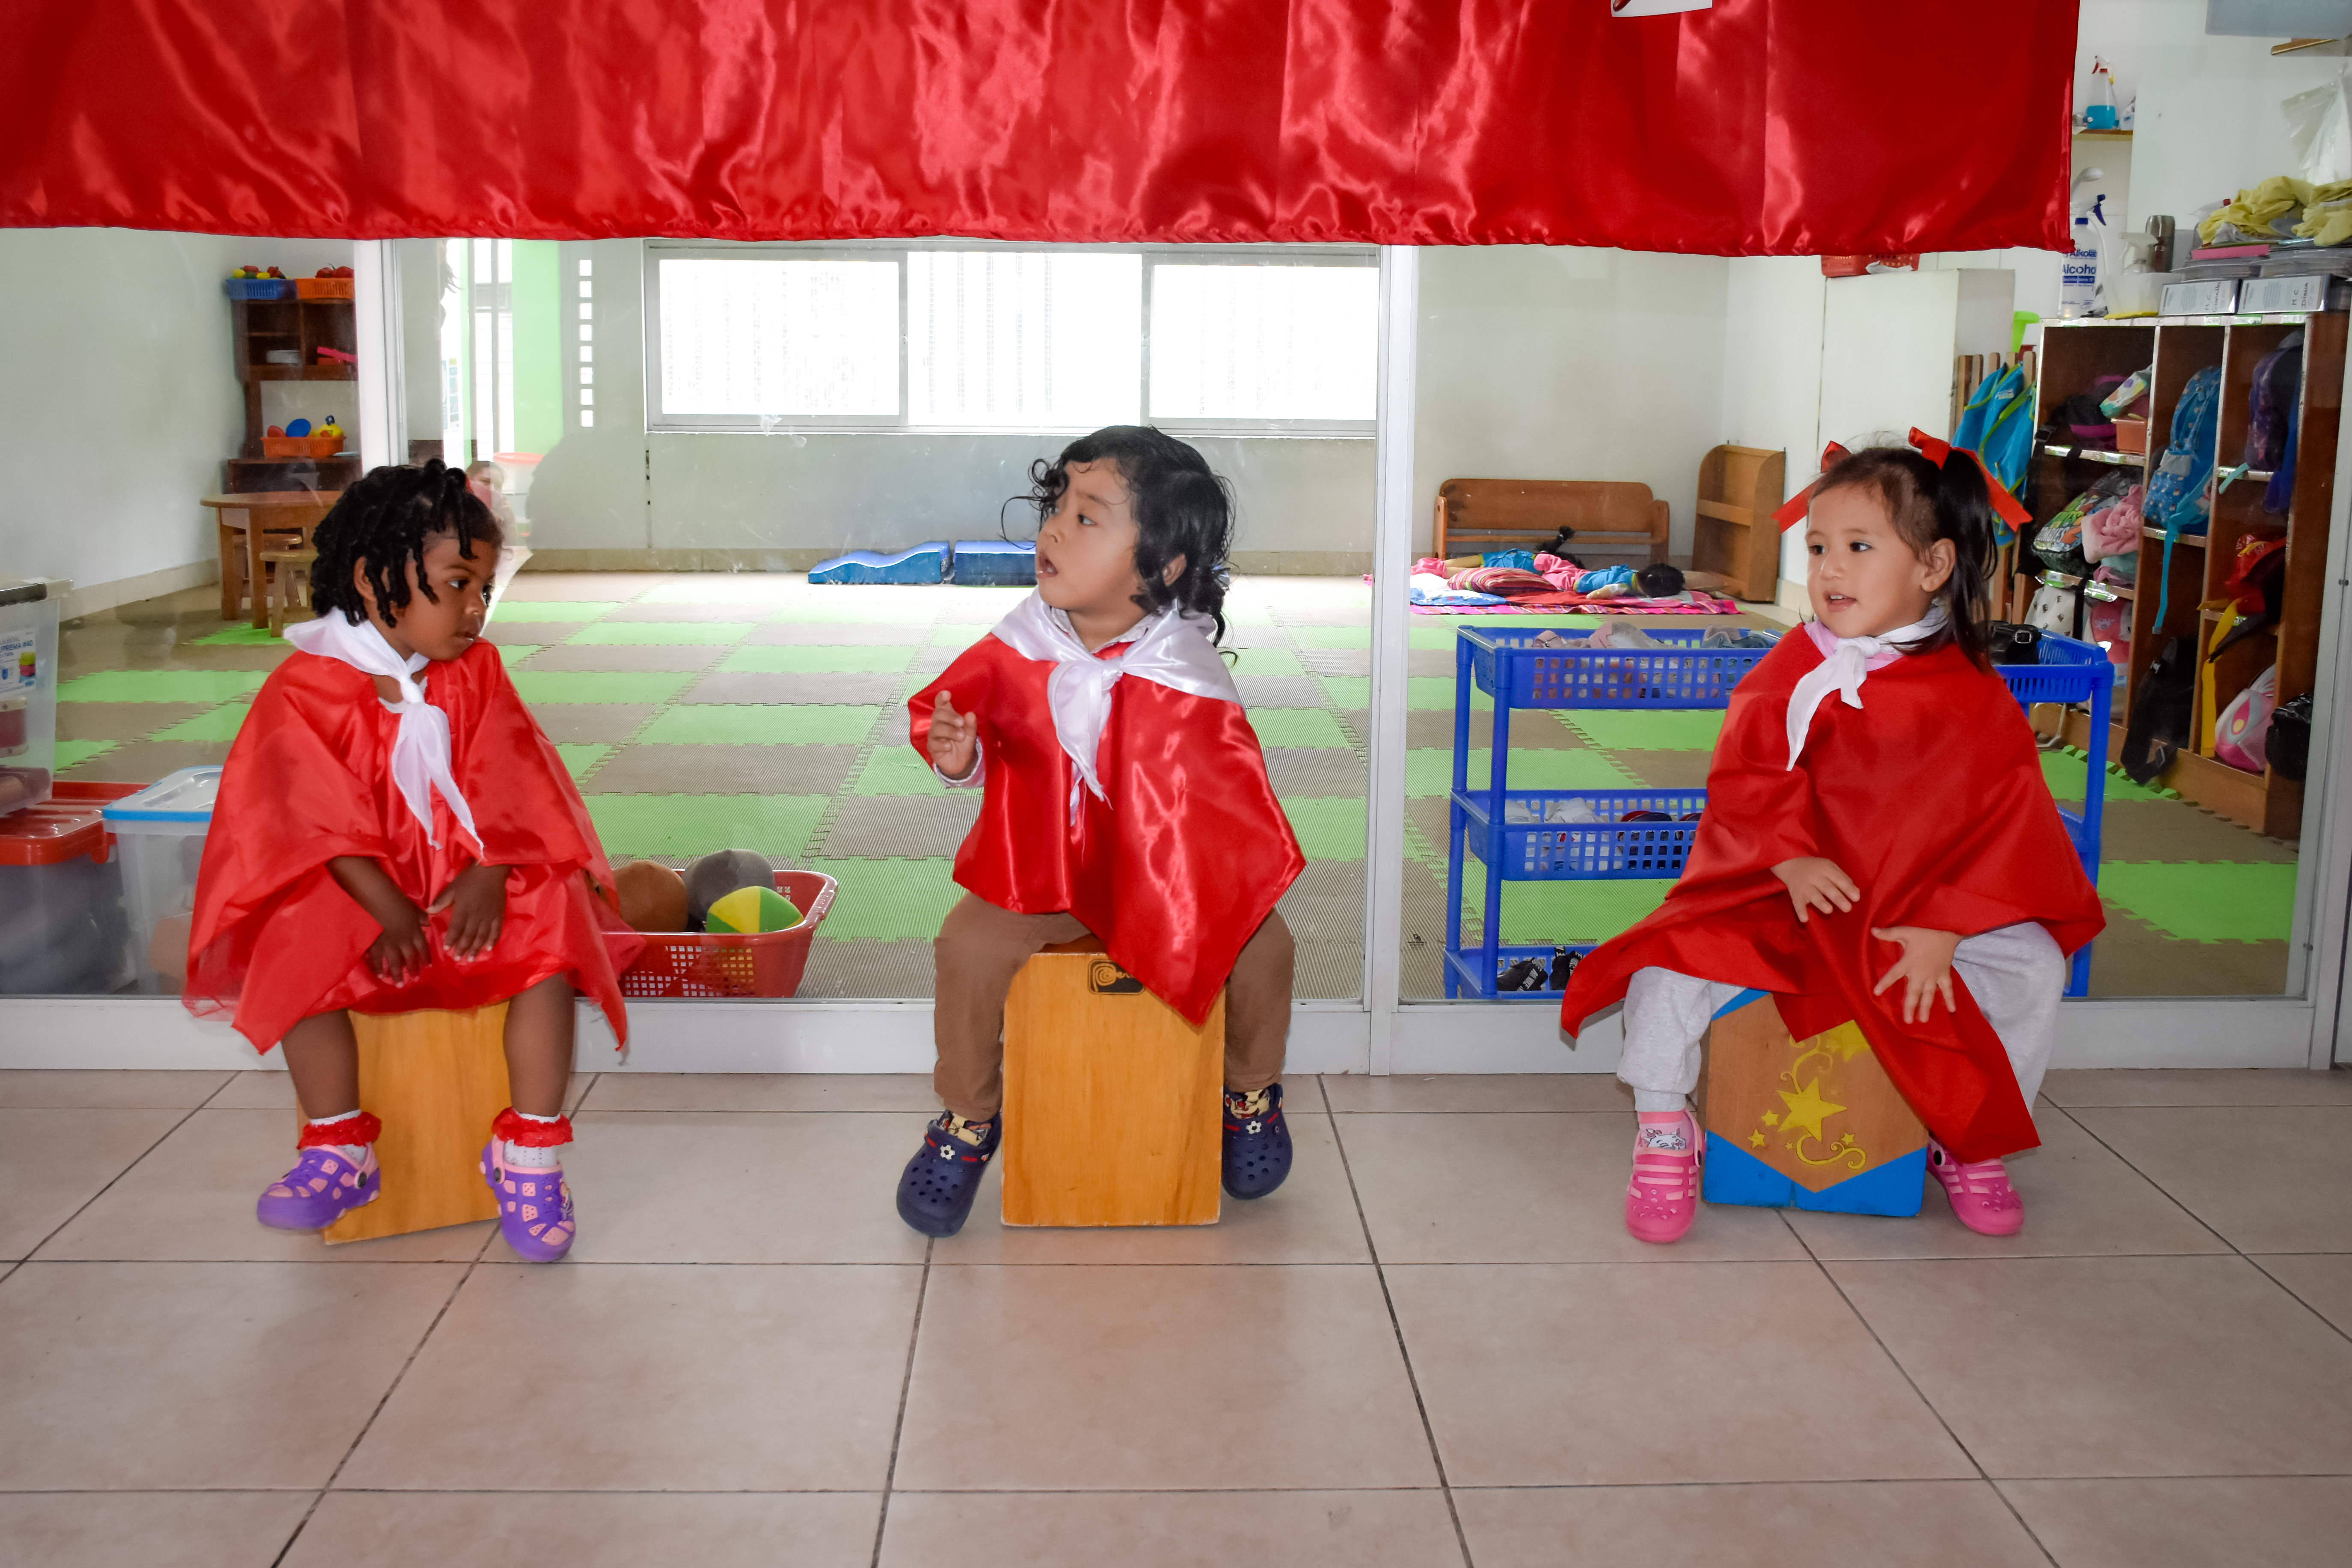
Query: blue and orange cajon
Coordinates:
[1811,1123]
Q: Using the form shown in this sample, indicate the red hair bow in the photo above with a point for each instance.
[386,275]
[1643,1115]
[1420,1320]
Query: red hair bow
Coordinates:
[1937,452]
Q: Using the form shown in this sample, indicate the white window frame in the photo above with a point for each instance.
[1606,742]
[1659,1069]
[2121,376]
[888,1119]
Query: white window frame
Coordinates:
[658,420]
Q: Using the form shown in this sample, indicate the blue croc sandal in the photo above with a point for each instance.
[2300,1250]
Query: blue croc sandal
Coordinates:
[937,1189]
[1257,1148]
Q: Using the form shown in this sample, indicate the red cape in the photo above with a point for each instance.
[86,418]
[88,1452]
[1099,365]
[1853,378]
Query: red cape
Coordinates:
[275,940]
[1931,797]
[1175,874]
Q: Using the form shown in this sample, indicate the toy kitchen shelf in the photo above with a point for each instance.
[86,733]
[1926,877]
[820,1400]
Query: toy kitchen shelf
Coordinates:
[1526,834]
[257,328]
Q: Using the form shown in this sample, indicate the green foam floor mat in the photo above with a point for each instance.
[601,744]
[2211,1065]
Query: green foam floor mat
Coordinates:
[1297,727]
[767,724]
[73,754]
[2212,900]
[694,825]
[1563,911]
[896,770]
[2066,773]
[849,602]
[638,634]
[1251,661]
[580,758]
[1430,772]
[1647,729]
[1331,636]
[1328,829]
[614,685]
[221,724]
[1424,692]
[719,588]
[162,685]
[888,901]
[242,637]
[960,634]
[817,659]
[517,611]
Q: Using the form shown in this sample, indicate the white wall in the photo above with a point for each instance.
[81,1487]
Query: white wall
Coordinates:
[2208,110]
[121,399]
[1568,365]
[775,502]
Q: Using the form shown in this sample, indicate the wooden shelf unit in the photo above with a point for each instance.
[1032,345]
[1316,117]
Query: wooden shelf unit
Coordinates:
[258,326]
[2073,354]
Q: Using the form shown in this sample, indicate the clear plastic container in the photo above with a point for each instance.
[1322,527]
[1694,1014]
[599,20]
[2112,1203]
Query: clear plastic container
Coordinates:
[62,931]
[28,694]
[159,836]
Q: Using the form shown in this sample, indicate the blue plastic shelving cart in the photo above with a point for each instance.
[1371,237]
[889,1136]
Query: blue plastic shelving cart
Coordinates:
[1585,835]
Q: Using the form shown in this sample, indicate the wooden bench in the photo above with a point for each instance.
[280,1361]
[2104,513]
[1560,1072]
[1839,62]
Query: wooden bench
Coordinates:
[1113,1103]
[288,587]
[1610,517]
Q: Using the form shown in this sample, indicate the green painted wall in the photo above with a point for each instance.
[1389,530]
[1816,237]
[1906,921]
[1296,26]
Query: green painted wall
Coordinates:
[537,347]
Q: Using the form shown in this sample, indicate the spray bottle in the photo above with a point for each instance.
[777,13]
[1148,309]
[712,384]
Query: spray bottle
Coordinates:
[2078,279]
[2099,113]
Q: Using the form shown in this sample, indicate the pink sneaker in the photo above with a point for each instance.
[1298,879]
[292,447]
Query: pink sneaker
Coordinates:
[1662,1198]
[1981,1197]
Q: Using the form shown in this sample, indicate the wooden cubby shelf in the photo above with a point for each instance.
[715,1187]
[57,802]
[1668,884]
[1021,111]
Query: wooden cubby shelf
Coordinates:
[2074,355]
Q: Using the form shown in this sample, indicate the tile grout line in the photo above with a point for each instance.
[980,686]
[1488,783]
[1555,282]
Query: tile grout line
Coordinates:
[369,1424]
[1413,1379]
[1909,1381]
[2194,1217]
[905,1388]
[185,1116]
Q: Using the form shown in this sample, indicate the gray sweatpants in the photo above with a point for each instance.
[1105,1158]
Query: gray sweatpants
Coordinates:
[2016,974]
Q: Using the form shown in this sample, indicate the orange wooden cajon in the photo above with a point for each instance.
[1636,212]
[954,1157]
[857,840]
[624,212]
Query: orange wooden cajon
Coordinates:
[1112,1102]
[1812,1125]
[437,1080]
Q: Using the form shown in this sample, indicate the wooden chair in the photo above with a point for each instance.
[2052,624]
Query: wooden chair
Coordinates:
[437,1080]
[248,522]
[1811,1124]
[1734,536]
[286,584]
[1112,1102]
[1610,517]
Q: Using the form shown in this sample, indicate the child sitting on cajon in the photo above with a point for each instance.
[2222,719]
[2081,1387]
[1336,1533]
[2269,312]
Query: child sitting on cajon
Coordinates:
[1126,797]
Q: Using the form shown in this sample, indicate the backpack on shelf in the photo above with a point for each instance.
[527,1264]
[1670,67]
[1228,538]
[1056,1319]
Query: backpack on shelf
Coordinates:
[2176,499]
[2059,543]
[2161,705]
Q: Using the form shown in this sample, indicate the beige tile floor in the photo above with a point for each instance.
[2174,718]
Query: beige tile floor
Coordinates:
[1435,1346]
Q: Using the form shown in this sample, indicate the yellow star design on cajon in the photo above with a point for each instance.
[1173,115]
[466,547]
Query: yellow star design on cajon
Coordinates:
[1807,1107]
[1756,1139]
[1771,1118]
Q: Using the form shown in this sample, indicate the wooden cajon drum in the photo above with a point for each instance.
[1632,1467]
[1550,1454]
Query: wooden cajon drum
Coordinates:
[1113,1112]
[1811,1124]
[437,1080]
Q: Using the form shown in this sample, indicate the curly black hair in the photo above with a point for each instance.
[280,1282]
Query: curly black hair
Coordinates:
[1182,508]
[1928,502]
[384,523]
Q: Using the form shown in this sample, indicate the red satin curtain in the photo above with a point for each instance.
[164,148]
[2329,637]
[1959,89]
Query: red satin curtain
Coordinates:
[1797,127]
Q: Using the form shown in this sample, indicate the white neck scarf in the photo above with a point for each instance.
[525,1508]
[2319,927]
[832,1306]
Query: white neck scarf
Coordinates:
[1170,649]
[420,752]
[1846,663]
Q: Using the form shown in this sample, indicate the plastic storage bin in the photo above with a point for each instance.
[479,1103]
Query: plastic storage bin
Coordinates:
[724,964]
[62,928]
[28,694]
[159,834]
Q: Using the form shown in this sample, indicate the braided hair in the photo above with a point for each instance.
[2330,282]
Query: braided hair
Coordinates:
[1928,502]
[1180,506]
[385,522]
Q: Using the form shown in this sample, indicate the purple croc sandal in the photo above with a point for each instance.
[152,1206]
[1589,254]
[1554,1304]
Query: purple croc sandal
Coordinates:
[534,1207]
[322,1187]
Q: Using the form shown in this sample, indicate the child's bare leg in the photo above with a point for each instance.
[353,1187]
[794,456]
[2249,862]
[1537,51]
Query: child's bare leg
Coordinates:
[1257,1007]
[323,1057]
[538,1047]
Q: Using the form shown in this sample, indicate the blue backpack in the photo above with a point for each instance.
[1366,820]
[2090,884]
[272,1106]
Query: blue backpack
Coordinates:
[1997,426]
[2176,499]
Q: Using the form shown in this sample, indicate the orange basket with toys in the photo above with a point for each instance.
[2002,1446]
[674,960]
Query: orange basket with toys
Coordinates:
[693,963]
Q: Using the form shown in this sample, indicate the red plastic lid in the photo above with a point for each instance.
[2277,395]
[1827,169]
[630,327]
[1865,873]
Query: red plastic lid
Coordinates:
[68,826]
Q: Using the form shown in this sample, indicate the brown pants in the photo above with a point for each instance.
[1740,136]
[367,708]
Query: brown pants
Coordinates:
[980,948]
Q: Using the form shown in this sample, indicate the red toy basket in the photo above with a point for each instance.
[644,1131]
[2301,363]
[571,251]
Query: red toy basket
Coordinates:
[703,964]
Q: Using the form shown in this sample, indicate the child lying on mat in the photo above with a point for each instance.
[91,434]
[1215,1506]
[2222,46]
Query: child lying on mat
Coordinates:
[1127,796]
[1877,829]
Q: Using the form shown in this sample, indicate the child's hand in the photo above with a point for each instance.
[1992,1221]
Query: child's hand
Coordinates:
[476,901]
[1925,969]
[401,954]
[1816,883]
[955,739]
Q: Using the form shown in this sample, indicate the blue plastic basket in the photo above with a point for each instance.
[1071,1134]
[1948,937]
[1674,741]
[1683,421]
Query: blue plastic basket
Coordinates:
[1470,980]
[1609,850]
[259,288]
[1688,675]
